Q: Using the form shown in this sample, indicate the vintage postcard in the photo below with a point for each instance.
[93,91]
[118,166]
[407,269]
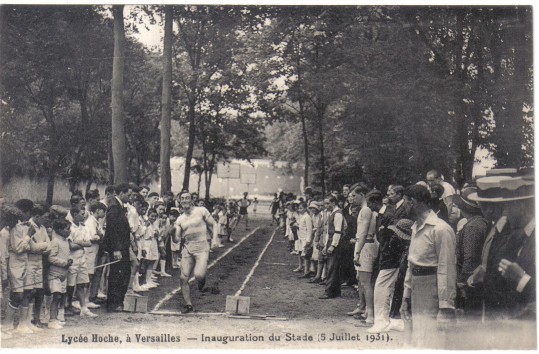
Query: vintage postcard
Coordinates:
[267,177]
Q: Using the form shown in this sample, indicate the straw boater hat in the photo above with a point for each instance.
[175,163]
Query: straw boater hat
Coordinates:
[403,229]
[498,189]
[502,172]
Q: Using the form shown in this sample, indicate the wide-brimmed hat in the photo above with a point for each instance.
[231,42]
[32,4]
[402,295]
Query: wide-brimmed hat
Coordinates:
[463,201]
[498,189]
[314,205]
[403,229]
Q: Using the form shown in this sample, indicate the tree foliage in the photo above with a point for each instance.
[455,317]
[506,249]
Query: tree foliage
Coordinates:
[374,93]
[56,85]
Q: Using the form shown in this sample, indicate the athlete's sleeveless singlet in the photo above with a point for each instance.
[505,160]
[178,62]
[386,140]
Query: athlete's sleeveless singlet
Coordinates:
[244,203]
[195,230]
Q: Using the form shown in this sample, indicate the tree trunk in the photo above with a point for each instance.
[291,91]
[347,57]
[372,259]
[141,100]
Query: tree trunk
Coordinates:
[206,182]
[51,178]
[166,177]
[513,130]
[119,152]
[322,153]
[303,125]
[199,181]
[2,34]
[110,160]
[191,144]
[208,174]
[89,184]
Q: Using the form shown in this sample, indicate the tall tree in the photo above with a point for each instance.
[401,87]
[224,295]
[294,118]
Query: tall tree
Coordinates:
[34,93]
[208,37]
[166,104]
[119,152]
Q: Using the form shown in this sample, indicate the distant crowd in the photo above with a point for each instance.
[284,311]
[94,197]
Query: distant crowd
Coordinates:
[427,252]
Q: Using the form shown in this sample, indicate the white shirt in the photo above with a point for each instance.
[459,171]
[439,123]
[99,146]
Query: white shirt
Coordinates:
[433,244]
[448,189]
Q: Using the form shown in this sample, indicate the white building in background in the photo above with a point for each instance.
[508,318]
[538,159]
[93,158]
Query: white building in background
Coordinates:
[483,162]
[260,177]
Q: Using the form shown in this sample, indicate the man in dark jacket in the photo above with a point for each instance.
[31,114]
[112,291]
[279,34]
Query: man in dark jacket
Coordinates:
[333,248]
[400,208]
[510,258]
[117,243]
[470,241]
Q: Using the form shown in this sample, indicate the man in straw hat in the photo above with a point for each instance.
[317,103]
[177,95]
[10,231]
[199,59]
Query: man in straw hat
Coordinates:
[431,276]
[508,257]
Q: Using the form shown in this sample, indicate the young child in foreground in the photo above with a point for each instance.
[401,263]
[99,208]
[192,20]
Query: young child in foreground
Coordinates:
[60,261]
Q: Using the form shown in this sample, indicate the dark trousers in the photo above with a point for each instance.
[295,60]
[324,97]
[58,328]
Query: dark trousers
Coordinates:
[168,265]
[333,280]
[399,292]
[119,276]
[348,272]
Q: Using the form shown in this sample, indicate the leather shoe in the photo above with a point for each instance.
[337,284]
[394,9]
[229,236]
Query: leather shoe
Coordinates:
[188,309]
[116,309]
[359,317]
[315,280]
[364,324]
[354,312]
[304,276]
[71,311]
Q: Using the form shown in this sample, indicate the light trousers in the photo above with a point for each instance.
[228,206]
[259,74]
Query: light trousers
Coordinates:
[424,312]
[383,295]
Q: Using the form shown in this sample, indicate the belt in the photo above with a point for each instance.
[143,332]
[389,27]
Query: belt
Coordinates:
[369,240]
[421,271]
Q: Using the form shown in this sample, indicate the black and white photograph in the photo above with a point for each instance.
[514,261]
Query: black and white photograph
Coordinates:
[267,176]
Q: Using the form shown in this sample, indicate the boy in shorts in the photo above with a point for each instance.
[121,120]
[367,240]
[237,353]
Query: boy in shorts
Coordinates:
[19,246]
[78,272]
[93,225]
[18,243]
[60,261]
[244,203]
[39,245]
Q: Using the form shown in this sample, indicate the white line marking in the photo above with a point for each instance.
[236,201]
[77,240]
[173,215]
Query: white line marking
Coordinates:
[255,265]
[176,313]
[178,289]
[283,264]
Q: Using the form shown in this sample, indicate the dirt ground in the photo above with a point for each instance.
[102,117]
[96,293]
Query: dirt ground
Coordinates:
[301,320]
